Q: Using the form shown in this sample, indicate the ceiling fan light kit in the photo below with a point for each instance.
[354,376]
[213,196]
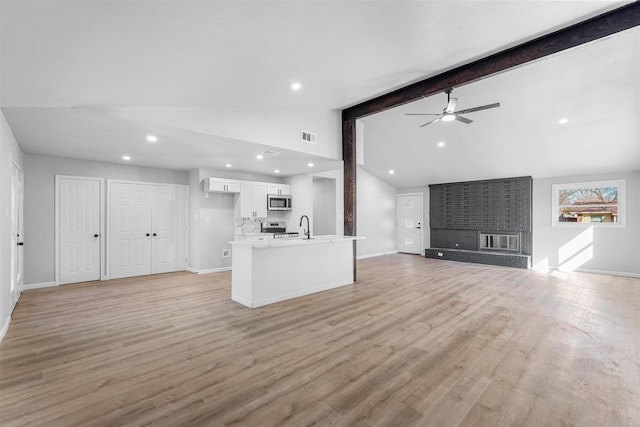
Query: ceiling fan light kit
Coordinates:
[450,114]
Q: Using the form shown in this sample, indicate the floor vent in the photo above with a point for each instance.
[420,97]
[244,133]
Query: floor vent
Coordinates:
[308,137]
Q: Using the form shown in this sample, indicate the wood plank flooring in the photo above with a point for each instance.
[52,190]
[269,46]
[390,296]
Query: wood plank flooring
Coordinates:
[415,342]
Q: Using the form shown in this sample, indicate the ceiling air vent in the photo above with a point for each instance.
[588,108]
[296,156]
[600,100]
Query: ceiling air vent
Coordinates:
[308,137]
[269,153]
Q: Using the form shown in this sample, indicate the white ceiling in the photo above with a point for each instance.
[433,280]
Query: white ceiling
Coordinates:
[64,63]
[595,86]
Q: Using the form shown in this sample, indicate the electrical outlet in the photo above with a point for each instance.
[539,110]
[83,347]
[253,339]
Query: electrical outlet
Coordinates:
[226,253]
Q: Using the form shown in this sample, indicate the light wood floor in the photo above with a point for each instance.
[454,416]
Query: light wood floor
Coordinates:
[415,342]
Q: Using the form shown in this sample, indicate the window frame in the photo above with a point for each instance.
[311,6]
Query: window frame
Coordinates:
[622,194]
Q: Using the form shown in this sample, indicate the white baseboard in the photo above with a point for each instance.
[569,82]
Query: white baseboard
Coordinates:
[376,254]
[39,285]
[208,270]
[5,327]
[607,272]
[546,269]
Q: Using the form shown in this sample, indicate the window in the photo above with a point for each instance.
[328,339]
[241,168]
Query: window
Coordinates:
[589,203]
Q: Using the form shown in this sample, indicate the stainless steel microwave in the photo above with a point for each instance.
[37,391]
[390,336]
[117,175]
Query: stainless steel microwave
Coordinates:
[278,202]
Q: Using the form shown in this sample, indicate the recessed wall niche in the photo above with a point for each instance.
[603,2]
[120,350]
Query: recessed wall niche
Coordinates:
[486,222]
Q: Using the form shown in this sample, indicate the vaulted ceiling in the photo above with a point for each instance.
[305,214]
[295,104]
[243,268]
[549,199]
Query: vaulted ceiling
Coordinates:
[65,63]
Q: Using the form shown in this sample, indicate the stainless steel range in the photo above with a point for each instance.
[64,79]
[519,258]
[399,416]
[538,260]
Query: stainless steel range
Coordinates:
[279,230]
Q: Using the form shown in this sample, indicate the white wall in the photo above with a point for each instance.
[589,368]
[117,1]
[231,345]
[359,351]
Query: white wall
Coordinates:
[9,151]
[615,250]
[39,203]
[301,202]
[375,215]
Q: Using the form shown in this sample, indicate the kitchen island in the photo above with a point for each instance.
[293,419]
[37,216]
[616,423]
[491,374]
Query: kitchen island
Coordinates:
[271,270]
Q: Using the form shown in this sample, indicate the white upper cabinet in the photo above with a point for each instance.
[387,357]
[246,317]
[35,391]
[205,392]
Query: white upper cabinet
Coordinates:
[252,202]
[221,185]
[279,189]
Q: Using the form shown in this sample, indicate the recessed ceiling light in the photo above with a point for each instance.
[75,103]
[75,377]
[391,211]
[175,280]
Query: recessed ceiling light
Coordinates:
[228,165]
[277,171]
[441,144]
[259,157]
[391,171]
[152,138]
[310,164]
[296,86]
[126,158]
[563,121]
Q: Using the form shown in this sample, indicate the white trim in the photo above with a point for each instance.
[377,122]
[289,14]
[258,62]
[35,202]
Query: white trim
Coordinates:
[56,226]
[622,212]
[605,272]
[40,285]
[208,270]
[5,328]
[377,254]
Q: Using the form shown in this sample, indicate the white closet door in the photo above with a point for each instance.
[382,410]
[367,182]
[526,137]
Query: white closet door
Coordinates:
[169,229]
[130,230]
[79,228]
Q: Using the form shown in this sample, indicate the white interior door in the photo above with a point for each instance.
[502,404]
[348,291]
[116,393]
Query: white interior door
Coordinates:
[79,229]
[169,225]
[129,229]
[409,223]
[17,234]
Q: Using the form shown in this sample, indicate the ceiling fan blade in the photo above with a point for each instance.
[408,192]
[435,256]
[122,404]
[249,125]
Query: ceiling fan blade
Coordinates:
[422,114]
[451,106]
[432,121]
[463,119]
[484,107]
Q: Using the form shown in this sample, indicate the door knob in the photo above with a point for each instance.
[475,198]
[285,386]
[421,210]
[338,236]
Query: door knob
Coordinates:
[95,235]
[148,234]
[20,243]
[155,234]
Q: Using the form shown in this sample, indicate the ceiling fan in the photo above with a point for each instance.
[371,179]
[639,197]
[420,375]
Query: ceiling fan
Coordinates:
[449,113]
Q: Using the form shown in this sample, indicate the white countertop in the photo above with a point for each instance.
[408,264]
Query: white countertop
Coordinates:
[278,243]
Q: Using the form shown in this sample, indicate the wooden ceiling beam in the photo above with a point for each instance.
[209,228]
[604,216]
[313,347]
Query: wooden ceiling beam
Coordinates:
[604,25]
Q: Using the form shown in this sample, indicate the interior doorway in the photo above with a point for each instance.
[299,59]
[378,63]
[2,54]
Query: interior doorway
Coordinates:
[409,223]
[17,233]
[324,206]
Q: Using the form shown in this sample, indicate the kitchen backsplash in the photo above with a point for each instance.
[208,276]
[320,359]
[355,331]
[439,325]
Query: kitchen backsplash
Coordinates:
[250,226]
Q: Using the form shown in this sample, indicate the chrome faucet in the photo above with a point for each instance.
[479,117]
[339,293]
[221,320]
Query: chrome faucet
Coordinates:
[308,232]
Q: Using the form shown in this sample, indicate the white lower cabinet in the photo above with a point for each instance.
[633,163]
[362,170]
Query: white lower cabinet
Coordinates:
[147,228]
[252,202]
